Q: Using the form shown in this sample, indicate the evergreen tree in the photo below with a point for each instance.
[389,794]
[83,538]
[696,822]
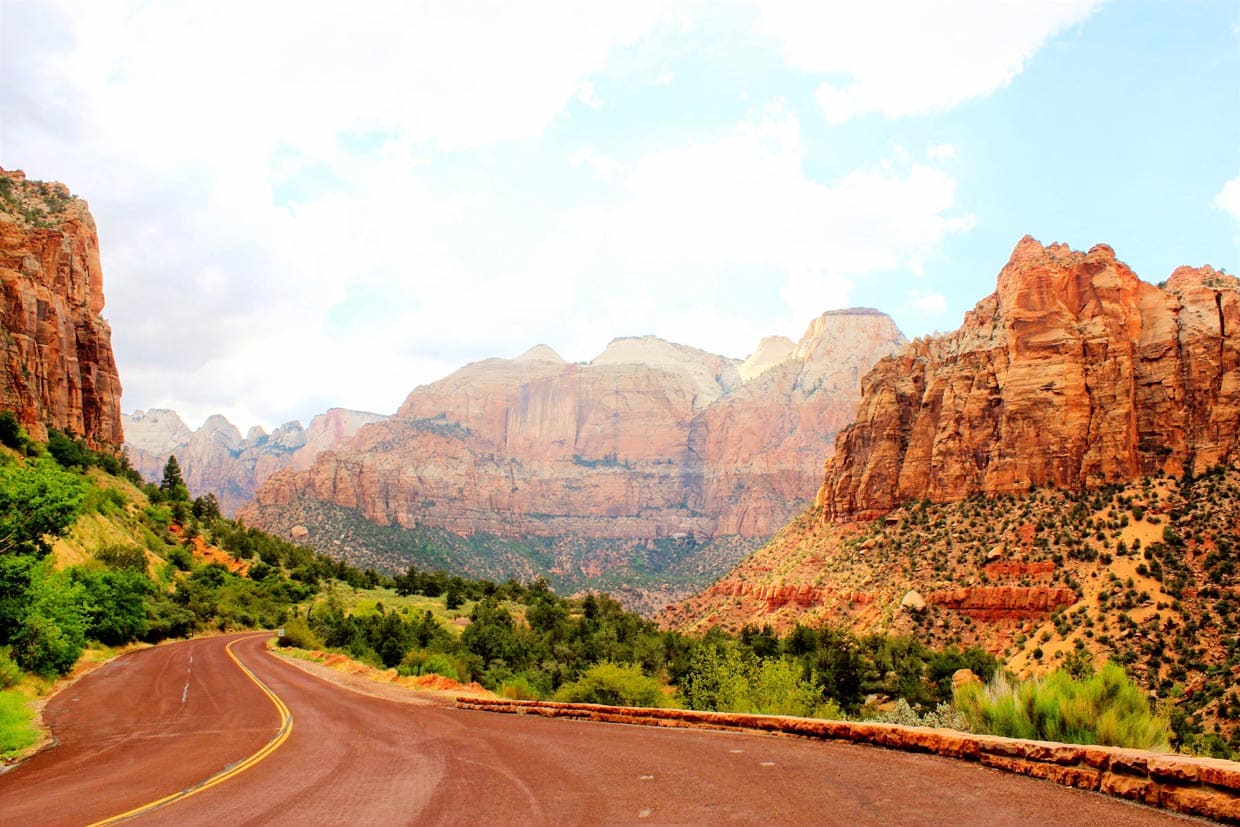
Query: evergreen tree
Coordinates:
[173,484]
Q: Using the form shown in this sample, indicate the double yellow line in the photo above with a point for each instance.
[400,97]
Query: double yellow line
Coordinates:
[286,729]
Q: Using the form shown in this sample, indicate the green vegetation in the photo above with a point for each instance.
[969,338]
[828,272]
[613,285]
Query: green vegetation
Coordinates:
[16,730]
[632,569]
[613,684]
[147,587]
[1153,564]
[1104,708]
[522,640]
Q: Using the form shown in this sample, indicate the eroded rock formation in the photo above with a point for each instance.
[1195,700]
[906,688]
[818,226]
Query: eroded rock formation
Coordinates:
[650,440]
[1073,373]
[56,363]
[217,459]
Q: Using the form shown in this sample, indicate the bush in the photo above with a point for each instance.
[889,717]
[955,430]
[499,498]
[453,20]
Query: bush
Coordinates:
[122,557]
[518,688]
[613,684]
[298,633]
[12,433]
[10,672]
[943,716]
[1104,708]
[53,632]
[437,664]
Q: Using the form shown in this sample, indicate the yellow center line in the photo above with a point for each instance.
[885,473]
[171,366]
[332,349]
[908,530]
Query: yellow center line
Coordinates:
[286,729]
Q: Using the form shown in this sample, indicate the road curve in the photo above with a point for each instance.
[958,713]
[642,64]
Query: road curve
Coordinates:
[129,734]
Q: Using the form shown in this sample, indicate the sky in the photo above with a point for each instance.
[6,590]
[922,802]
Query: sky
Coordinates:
[304,204]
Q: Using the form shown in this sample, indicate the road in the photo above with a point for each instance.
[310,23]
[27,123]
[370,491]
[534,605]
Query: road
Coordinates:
[164,719]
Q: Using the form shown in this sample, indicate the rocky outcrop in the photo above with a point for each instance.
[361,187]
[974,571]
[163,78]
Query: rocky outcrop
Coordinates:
[775,597]
[56,362]
[217,459]
[1073,373]
[650,440]
[991,603]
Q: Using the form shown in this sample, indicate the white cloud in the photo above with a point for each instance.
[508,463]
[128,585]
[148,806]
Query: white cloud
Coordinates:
[1228,198]
[605,166]
[278,234]
[736,224]
[907,57]
[931,304]
[941,152]
[587,94]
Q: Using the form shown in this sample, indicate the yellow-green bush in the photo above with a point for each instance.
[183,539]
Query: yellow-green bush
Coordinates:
[614,684]
[1104,708]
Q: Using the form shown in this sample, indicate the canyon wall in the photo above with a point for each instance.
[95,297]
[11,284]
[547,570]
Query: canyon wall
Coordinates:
[648,441]
[1073,373]
[56,362]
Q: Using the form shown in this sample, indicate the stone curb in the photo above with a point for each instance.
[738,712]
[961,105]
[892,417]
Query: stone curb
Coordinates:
[1207,787]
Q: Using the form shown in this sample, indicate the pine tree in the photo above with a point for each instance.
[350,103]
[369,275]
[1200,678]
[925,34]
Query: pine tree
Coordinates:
[173,484]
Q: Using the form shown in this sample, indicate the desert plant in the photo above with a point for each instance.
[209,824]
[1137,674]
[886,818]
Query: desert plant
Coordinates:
[1103,708]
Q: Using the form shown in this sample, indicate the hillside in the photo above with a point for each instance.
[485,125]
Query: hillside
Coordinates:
[1056,476]
[56,363]
[653,451]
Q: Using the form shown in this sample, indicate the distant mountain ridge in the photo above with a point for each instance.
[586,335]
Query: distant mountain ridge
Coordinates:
[217,459]
[649,443]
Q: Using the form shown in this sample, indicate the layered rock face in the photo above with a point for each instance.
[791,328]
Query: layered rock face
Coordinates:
[649,440]
[56,362]
[217,459]
[1073,373]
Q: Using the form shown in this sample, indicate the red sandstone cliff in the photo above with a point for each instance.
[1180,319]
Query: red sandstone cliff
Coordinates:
[1072,373]
[56,363]
[649,440]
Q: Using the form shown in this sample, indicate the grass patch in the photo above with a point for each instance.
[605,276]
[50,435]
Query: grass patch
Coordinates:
[1105,708]
[17,730]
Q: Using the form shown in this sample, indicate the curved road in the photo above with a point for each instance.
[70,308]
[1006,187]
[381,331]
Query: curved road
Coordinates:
[164,719]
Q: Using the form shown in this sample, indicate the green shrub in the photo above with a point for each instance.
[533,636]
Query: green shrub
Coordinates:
[12,433]
[298,633]
[615,685]
[122,557]
[10,672]
[437,664]
[943,716]
[16,732]
[518,688]
[1104,708]
[53,632]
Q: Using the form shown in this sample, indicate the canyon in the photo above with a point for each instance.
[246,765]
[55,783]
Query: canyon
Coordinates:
[56,362]
[652,455]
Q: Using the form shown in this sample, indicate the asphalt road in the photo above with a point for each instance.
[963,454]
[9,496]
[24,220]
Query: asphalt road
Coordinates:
[165,719]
